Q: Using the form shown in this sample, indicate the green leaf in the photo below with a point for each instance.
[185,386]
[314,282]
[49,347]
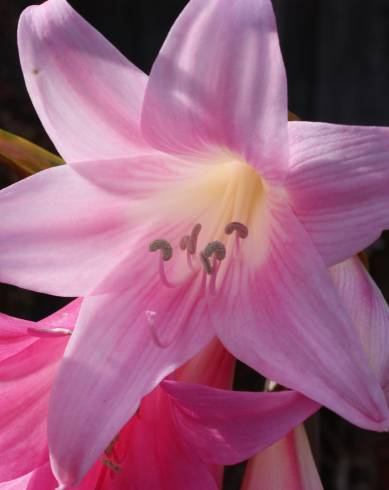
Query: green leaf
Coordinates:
[24,157]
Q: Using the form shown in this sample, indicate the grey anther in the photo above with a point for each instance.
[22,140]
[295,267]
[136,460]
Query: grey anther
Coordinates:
[184,242]
[189,243]
[216,248]
[162,245]
[240,229]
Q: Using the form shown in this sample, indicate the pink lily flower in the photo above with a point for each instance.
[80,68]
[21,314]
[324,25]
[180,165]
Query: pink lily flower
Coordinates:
[179,438]
[204,141]
[287,464]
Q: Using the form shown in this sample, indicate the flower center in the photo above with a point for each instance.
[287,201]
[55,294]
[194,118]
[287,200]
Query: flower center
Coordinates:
[223,207]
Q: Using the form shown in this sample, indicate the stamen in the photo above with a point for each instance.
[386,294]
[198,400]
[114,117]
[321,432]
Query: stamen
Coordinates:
[193,239]
[109,448]
[111,465]
[184,242]
[212,282]
[164,246]
[214,248]
[206,263]
[49,332]
[166,254]
[240,229]
[189,243]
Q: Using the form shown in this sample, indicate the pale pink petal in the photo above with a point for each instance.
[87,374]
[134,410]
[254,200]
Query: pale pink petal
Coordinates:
[114,358]
[61,234]
[225,427]
[219,80]
[369,312]
[87,95]
[138,177]
[287,465]
[338,185]
[283,317]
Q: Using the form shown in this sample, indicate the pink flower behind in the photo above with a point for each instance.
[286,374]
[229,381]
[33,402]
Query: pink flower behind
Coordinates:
[157,447]
[204,141]
[288,464]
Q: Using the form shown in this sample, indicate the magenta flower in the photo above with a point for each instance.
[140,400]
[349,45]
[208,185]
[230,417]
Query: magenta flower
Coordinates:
[286,464]
[189,208]
[180,437]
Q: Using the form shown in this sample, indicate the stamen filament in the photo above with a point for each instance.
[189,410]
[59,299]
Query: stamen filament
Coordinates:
[49,332]
[162,274]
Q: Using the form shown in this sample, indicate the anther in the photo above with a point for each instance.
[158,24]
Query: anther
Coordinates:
[215,248]
[184,242]
[189,242]
[164,246]
[240,229]
[112,466]
[193,239]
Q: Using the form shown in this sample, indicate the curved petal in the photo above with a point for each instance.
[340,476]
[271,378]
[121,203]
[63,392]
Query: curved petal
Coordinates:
[59,233]
[87,95]
[338,185]
[25,384]
[285,319]
[151,453]
[15,333]
[114,359]
[213,366]
[369,312]
[288,464]
[226,427]
[219,80]
[26,377]
[40,478]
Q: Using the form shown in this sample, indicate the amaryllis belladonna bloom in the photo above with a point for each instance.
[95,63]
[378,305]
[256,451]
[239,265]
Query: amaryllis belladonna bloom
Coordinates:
[287,464]
[189,207]
[179,438]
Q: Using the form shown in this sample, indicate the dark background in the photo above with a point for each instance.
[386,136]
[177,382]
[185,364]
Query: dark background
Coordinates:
[337,59]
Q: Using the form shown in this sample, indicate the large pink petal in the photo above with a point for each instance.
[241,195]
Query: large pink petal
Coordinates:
[61,234]
[288,465]
[284,318]
[87,95]
[113,359]
[338,185]
[369,312]
[219,80]
[225,427]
